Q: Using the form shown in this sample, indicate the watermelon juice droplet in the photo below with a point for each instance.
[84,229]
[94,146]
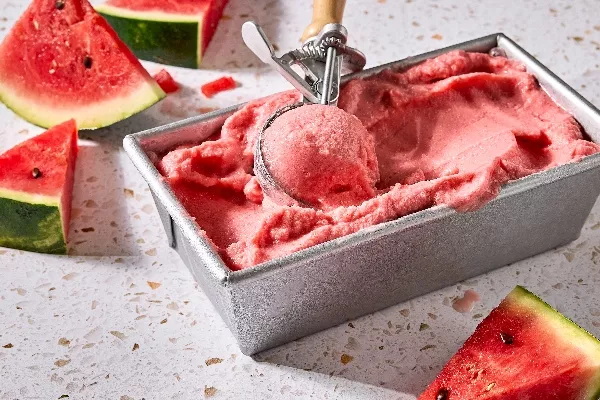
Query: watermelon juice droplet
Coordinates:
[465,304]
[497,52]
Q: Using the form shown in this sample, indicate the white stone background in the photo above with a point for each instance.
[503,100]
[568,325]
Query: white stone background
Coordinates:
[73,321]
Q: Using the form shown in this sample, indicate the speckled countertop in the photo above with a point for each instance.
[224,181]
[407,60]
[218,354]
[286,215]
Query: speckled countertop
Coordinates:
[122,318]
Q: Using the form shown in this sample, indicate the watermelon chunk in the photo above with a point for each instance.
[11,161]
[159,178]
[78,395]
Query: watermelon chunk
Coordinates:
[169,32]
[36,184]
[166,81]
[523,350]
[62,60]
[217,86]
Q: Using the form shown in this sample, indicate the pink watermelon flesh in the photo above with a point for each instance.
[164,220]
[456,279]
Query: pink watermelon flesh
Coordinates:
[53,153]
[523,350]
[210,11]
[67,62]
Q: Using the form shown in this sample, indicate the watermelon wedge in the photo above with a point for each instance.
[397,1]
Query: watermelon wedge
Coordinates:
[523,350]
[168,32]
[36,183]
[62,60]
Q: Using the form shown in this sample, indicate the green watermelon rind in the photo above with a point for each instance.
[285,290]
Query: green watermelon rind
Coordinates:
[29,197]
[88,116]
[563,326]
[166,38]
[31,223]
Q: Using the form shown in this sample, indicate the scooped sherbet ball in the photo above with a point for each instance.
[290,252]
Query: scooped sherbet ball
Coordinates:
[322,156]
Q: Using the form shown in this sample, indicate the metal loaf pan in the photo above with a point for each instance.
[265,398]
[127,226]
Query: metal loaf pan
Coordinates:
[325,285]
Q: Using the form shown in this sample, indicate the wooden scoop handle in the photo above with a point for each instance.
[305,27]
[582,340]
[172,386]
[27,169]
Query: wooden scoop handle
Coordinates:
[324,12]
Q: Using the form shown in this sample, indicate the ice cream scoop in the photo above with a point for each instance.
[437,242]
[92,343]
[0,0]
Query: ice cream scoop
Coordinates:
[321,156]
[322,59]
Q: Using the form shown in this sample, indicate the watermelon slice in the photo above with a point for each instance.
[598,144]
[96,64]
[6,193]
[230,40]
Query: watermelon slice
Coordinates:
[523,350]
[36,183]
[62,60]
[169,32]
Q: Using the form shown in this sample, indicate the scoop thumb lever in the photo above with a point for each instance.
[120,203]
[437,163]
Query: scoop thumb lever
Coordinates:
[257,41]
[324,12]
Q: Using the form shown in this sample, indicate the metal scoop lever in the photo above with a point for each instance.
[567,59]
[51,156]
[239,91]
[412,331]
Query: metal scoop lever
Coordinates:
[257,41]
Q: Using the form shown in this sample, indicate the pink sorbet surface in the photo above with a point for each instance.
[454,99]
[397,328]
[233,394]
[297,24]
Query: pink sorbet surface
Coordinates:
[448,131]
[322,156]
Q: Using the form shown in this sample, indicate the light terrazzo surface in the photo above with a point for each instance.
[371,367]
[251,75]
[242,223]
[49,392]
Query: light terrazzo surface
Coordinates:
[121,317]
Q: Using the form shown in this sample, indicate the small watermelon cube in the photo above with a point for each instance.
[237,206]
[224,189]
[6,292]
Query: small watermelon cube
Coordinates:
[36,186]
[217,86]
[524,350]
[166,81]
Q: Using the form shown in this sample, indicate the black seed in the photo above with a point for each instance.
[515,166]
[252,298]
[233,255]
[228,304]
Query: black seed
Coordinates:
[87,62]
[442,394]
[36,173]
[60,4]
[506,338]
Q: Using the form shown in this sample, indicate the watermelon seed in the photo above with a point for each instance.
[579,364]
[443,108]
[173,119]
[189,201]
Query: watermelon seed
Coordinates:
[36,173]
[60,4]
[87,62]
[442,394]
[506,338]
